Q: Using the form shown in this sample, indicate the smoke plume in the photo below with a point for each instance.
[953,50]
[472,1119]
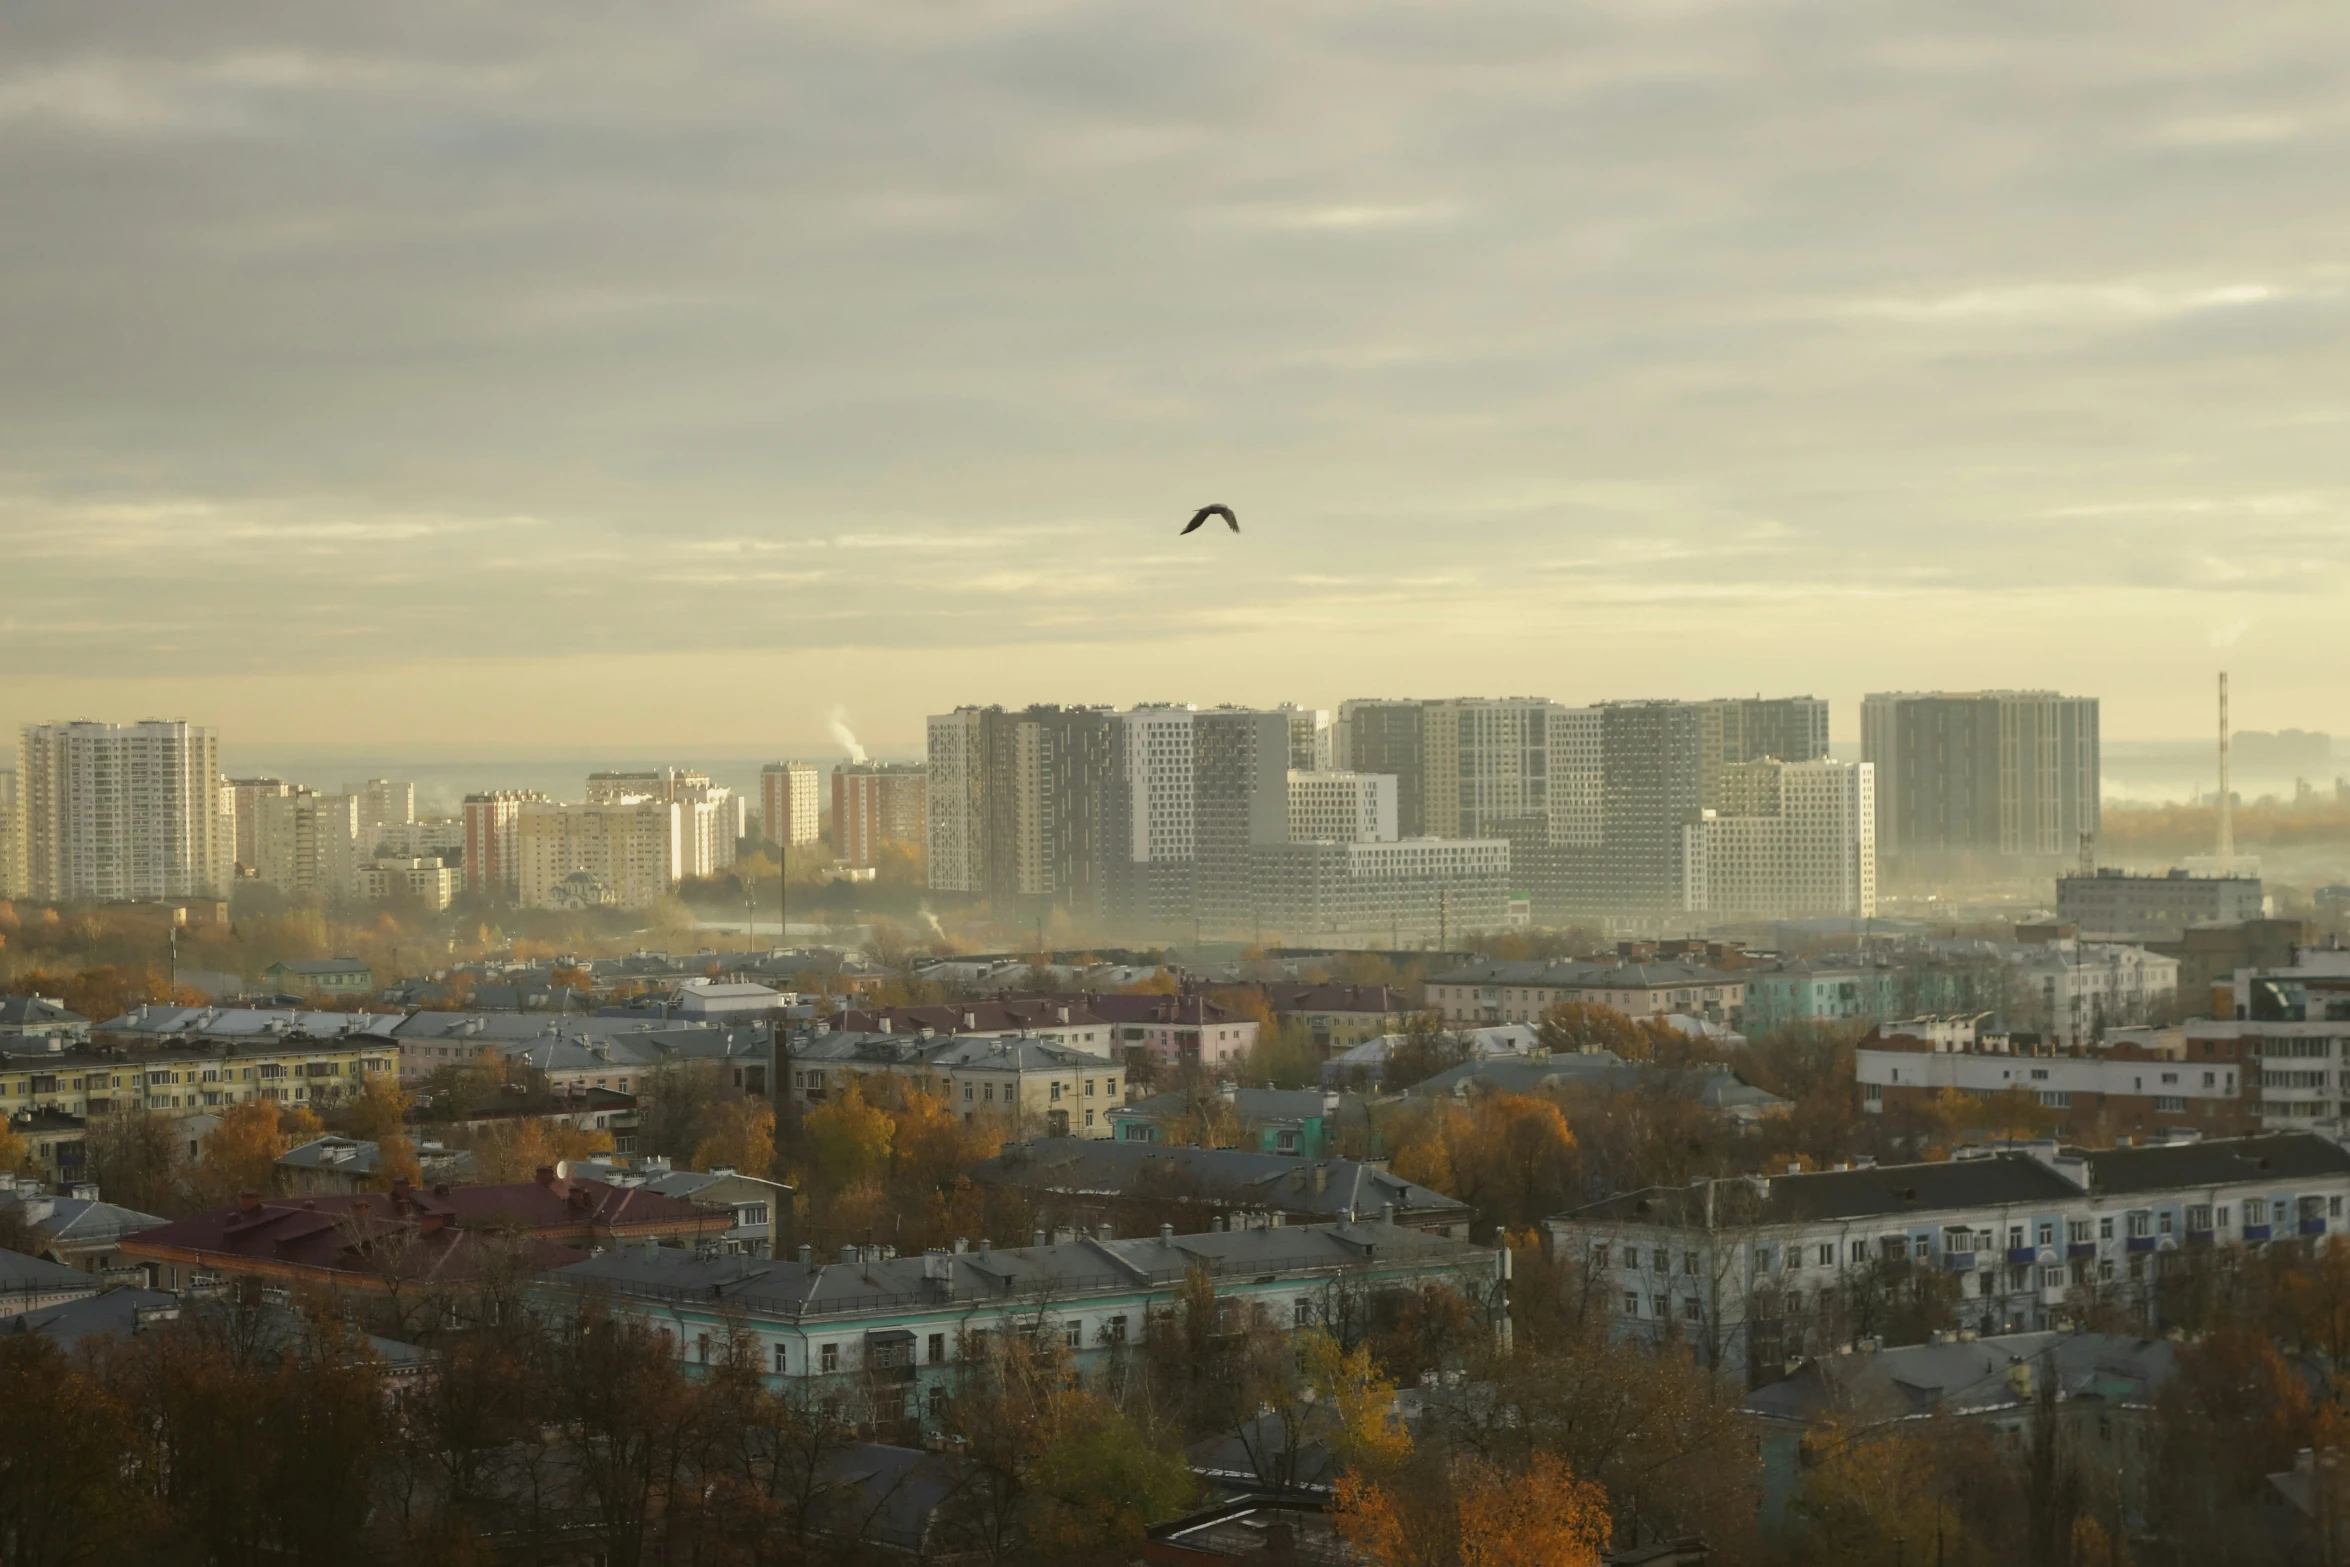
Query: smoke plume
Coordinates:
[845,740]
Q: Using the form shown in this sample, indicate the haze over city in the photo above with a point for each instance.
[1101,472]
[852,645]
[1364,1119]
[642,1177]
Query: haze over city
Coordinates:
[431,380]
[1068,783]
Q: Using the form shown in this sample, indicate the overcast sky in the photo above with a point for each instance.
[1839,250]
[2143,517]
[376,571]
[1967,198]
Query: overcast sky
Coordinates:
[615,377]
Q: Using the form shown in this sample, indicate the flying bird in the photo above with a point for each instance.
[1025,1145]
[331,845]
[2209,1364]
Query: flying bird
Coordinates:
[1205,512]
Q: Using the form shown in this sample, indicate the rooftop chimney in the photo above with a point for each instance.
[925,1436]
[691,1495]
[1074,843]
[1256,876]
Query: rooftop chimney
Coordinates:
[248,1200]
[544,1175]
[807,1256]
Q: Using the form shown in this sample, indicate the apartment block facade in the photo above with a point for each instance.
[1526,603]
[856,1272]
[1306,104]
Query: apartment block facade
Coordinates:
[632,848]
[876,805]
[1789,840]
[493,855]
[790,811]
[1983,776]
[124,811]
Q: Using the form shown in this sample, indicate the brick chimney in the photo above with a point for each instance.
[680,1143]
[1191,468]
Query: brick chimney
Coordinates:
[248,1200]
[545,1175]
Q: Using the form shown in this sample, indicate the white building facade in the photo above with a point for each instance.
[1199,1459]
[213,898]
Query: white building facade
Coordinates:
[123,811]
[1803,845]
[1328,807]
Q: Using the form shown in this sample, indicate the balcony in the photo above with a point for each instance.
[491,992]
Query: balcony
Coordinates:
[1959,1261]
[2141,1243]
[2200,1238]
[2313,1226]
[2081,1250]
[2023,1256]
[2255,1232]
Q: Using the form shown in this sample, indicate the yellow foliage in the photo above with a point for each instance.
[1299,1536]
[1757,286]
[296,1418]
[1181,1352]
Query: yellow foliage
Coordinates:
[241,1152]
[1477,1516]
[849,1137]
[742,1138]
[1370,1439]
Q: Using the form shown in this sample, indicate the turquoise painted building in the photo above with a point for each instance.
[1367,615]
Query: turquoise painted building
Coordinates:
[1300,1121]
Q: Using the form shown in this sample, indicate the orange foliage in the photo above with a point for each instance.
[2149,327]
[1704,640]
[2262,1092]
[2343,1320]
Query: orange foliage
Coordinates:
[1510,1156]
[1477,1516]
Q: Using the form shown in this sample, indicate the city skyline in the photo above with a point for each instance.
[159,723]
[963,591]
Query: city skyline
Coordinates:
[415,364]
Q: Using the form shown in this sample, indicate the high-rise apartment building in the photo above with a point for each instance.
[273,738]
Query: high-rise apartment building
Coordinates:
[1150,831]
[790,810]
[712,819]
[1410,890]
[1341,808]
[117,811]
[1389,737]
[957,801]
[307,842]
[13,883]
[876,805]
[244,844]
[627,851]
[1312,739]
[1792,840]
[1735,730]
[380,803]
[1240,804]
[1651,786]
[493,863]
[1983,775]
[1048,779]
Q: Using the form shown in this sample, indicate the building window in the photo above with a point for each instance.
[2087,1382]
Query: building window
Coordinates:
[1116,1329]
[1828,1254]
[2105,1269]
[1921,1247]
[2077,1232]
[937,1349]
[1690,1307]
[2105,1228]
[1661,1307]
[1056,1096]
[782,1360]
[1304,1312]
[1599,1255]
[2048,1234]
[1631,1304]
[1076,1334]
[831,1357]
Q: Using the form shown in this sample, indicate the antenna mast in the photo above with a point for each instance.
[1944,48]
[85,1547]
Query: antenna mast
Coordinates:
[2227,823]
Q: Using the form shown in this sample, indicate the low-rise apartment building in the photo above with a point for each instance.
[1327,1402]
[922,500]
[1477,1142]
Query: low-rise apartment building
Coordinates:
[2291,1027]
[2119,904]
[1756,1270]
[2137,1081]
[888,1335]
[1520,992]
[1032,1087]
[1103,1182]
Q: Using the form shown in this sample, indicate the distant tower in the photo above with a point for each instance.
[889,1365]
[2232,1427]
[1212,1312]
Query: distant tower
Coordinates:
[2227,822]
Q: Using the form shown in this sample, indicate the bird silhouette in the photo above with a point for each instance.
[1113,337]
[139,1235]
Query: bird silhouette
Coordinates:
[1205,512]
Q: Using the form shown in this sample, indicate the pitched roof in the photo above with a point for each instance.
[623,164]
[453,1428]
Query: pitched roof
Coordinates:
[23,1275]
[1969,1376]
[1331,996]
[1569,974]
[2219,1162]
[83,1221]
[1268,1181]
[1895,1191]
[28,1011]
[1254,1106]
[1065,1269]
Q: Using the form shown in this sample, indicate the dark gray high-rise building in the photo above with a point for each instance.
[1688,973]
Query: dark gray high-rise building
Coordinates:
[1740,729]
[1652,785]
[1028,807]
[1240,805]
[1996,775]
[1390,738]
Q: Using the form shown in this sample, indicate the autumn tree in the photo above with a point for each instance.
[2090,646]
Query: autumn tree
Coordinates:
[1425,1048]
[1465,1513]
[240,1154]
[741,1137]
[1576,1027]
[1511,1157]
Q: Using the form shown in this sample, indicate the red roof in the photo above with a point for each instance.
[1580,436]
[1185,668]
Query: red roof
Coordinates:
[418,1233]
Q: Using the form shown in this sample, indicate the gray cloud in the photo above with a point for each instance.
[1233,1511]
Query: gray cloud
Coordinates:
[348,339]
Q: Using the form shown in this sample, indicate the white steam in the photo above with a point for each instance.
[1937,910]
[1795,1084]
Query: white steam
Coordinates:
[2226,636]
[841,736]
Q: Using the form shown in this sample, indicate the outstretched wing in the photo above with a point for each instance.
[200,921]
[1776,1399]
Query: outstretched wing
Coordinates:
[1197,518]
[1205,512]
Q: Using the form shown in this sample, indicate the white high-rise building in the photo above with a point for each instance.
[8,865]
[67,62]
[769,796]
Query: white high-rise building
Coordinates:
[118,811]
[1158,775]
[1794,840]
[1327,807]
[380,803]
[307,842]
[791,807]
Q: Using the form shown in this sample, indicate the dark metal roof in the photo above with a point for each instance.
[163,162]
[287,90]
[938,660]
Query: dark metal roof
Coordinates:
[2279,1155]
[1891,1191]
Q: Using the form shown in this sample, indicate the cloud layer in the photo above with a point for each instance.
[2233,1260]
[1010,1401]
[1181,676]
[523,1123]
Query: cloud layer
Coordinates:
[870,352]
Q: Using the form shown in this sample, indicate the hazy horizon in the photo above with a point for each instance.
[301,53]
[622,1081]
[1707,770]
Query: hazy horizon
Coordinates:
[434,379]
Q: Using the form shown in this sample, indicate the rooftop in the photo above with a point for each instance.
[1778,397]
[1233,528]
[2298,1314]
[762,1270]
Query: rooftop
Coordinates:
[1267,1181]
[865,1282]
